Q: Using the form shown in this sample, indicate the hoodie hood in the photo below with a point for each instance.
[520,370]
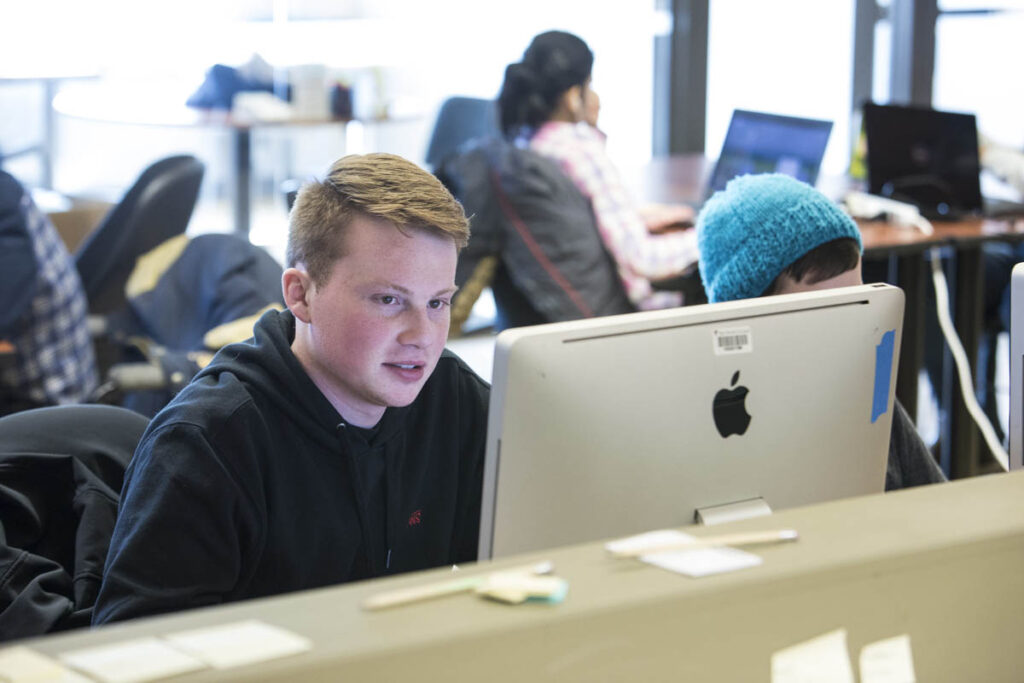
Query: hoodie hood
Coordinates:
[266,362]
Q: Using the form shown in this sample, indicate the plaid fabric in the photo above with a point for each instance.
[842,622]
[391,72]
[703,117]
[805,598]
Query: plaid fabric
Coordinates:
[54,354]
[640,256]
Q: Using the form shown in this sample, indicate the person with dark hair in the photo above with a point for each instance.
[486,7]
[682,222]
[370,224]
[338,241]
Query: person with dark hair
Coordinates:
[548,105]
[46,353]
[772,234]
[342,441]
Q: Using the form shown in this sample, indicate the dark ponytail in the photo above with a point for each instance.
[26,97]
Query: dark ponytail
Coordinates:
[554,62]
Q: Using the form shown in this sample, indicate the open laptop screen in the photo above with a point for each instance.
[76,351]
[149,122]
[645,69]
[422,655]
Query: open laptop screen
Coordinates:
[757,142]
[617,425]
[925,157]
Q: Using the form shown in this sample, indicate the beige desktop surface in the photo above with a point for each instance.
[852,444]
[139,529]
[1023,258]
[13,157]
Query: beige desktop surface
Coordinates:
[943,564]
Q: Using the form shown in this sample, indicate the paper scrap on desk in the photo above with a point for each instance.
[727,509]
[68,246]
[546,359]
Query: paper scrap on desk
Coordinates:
[698,562]
[824,659]
[887,661]
[703,562]
[19,664]
[660,537]
[132,661]
[238,643]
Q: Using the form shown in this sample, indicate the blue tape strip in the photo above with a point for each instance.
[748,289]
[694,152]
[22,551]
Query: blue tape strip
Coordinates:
[883,374]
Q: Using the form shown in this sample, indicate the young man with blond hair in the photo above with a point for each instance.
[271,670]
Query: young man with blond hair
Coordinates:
[342,442]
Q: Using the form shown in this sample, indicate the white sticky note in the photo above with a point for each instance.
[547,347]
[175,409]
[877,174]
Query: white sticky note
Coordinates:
[703,561]
[19,664]
[698,562]
[887,661]
[132,661]
[824,659]
[238,643]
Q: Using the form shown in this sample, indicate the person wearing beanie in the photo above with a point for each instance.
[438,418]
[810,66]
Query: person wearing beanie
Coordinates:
[772,234]
[547,104]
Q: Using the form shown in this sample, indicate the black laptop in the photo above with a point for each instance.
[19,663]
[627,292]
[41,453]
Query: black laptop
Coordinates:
[928,158]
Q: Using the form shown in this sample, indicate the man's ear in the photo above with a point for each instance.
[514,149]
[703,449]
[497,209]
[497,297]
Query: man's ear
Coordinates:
[297,287]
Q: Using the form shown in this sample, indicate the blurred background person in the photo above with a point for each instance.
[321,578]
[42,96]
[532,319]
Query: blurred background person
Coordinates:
[548,105]
[46,354]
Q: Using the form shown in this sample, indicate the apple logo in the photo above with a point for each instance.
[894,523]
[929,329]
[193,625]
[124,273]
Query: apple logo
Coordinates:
[730,409]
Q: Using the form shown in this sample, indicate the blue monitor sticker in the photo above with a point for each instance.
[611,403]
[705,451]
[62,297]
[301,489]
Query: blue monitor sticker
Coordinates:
[883,374]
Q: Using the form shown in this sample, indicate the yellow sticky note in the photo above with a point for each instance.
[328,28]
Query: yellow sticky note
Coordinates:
[239,643]
[132,661]
[19,664]
[887,661]
[824,659]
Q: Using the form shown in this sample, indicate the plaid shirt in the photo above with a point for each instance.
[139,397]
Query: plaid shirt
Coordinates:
[54,361]
[640,256]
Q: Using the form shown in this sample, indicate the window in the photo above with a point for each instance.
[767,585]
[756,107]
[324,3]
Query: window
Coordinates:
[790,57]
[977,59]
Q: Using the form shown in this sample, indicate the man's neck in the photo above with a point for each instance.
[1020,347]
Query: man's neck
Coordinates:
[360,417]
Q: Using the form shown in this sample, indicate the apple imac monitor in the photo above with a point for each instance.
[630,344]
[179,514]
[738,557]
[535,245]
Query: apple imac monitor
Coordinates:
[618,425]
[1016,421]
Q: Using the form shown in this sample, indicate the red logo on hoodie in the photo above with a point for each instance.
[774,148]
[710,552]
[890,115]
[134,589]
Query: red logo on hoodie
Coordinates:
[415,518]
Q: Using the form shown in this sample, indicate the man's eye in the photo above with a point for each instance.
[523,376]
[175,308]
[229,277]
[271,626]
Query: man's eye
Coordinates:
[438,303]
[388,299]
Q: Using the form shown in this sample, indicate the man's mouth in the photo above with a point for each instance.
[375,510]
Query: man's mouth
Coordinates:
[408,372]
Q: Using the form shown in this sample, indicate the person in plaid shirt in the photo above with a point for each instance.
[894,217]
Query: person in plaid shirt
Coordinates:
[547,104]
[46,355]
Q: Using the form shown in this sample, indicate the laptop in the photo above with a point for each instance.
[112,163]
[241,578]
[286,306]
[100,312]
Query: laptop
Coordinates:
[928,158]
[758,142]
[612,426]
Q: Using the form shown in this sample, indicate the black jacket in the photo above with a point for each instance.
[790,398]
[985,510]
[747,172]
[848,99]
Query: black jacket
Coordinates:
[553,265]
[248,484]
[60,473]
[910,461]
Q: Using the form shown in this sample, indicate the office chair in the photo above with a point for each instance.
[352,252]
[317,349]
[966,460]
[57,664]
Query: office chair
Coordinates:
[290,189]
[184,300]
[460,120]
[157,207]
[63,467]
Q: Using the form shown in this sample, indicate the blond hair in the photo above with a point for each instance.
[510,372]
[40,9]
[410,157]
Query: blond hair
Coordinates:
[382,186]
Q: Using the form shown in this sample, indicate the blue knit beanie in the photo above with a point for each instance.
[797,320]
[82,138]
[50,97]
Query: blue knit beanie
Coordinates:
[758,226]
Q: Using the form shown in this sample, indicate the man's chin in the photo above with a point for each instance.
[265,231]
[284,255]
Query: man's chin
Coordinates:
[401,399]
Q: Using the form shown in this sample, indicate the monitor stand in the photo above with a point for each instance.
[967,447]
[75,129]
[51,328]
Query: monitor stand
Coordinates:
[728,512]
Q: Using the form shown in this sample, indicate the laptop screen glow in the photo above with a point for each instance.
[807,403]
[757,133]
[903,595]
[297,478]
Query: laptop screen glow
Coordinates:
[758,142]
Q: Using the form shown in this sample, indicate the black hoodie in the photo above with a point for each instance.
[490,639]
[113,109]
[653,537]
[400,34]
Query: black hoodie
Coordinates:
[249,483]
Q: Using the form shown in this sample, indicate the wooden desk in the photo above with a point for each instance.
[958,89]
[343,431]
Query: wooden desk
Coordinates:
[963,451]
[940,563]
[167,108]
[682,179]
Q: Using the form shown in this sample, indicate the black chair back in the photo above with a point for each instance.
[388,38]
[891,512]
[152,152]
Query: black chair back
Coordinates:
[63,468]
[460,120]
[156,208]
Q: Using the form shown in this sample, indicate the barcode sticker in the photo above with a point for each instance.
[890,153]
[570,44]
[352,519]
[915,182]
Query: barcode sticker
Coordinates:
[734,340]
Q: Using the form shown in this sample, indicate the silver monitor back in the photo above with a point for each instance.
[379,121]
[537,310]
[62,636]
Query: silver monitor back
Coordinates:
[1016,422]
[607,427]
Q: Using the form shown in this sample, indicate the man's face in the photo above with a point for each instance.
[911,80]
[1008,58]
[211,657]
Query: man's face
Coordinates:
[371,335]
[850,278]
